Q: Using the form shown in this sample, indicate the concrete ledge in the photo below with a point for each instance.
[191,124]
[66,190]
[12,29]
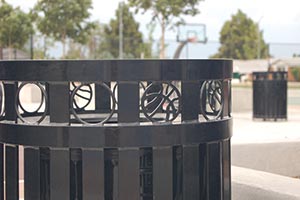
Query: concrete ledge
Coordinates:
[248,184]
[276,157]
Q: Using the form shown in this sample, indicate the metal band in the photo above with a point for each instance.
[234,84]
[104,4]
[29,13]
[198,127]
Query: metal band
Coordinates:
[115,136]
[115,70]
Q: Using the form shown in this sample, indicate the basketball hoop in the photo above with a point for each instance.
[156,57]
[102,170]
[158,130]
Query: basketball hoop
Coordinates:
[189,33]
[193,33]
[193,40]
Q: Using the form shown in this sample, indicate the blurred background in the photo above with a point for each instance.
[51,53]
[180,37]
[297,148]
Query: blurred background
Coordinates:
[90,29]
[259,35]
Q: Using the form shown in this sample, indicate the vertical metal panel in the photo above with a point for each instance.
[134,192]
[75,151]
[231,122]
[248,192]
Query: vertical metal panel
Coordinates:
[76,174]
[59,102]
[129,174]
[146,173]
[45,173]
[215,171]
[59,174]
[178,172]
[10,89]
[128,102]
[12,172]
[229,98]
[226,159]
[102,98]
[93,174]
[190,100]
[59,158]
[226,103]
[1,172]
[32,173]
[129,159]
[203,172]
[162,173]
[190,172]
[284,105]
[47,88]
[111,174]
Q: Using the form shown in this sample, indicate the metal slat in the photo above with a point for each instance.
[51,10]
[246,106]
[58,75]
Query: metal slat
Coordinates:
[215,171]
[102,98]
[190,96]
[45,173]
[59,158]
[93,174]
[111,173]
[163,173]
[190,164]
[129,174]
[128,102]
[76,174]
[226,159]
[226,99]
[59,174]
[1,173]
[10,89]
[190,172]
[32,173]
[177,172]
[12,172]
[59,102]
[129,159]
[203,170]
[146,173]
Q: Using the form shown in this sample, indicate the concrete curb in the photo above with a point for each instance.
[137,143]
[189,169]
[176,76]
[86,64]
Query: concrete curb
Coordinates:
[281,158]
[248,184]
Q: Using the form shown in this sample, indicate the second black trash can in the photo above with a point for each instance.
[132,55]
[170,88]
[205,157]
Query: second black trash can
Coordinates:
[270,95]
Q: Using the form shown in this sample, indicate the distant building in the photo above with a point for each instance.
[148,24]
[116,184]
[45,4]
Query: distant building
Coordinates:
[246,67]
[291,65]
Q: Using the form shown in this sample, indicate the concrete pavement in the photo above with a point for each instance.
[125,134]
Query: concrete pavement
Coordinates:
[247,130]
[265,155]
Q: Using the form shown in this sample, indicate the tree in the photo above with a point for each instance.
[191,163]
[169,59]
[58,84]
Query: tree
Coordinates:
[41,45]
[75,51]
[15,27]
[133,45]
[166,13]
[241,38]
[64,20]
[295,55]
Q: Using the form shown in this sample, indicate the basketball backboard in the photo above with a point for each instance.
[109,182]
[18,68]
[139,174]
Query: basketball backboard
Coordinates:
[192,32]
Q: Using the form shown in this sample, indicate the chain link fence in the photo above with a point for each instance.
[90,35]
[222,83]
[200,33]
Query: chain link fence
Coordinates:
[199,50]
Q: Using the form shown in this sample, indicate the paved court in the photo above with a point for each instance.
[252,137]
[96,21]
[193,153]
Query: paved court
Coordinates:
[247,130]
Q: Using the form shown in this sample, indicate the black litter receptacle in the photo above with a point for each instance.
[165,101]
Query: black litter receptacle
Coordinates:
[270,95]
[116,129]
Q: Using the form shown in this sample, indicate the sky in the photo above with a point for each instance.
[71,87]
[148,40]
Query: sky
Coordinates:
[279,20]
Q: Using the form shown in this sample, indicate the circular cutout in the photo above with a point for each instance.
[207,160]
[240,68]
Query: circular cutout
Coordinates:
[211,99]
[83,95]
[161,101]
[75,112]
[30,98]
[31,108]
